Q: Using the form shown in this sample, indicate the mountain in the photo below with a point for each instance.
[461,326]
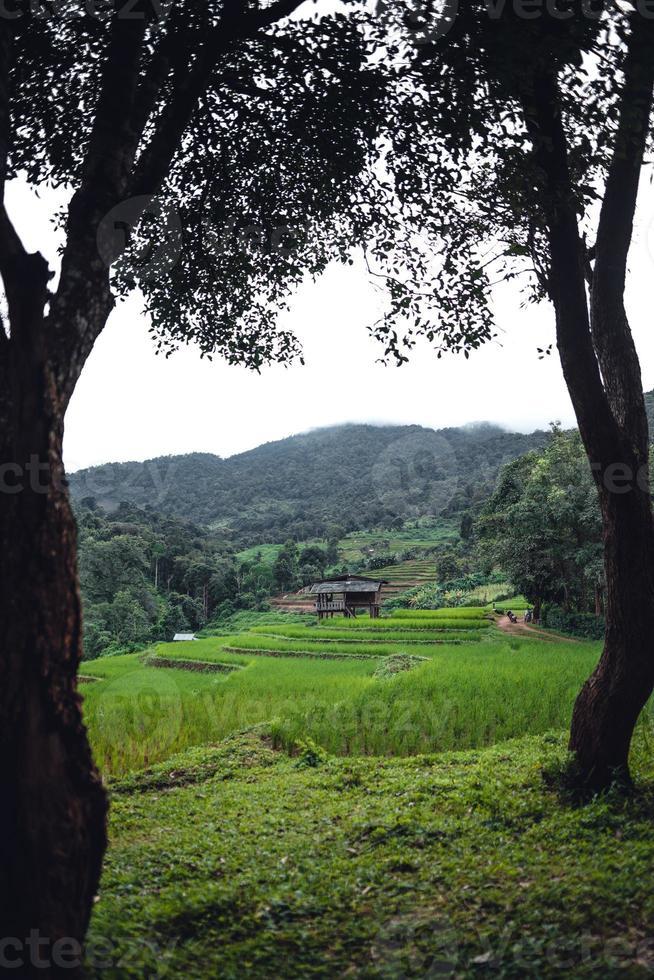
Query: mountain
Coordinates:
[352,476]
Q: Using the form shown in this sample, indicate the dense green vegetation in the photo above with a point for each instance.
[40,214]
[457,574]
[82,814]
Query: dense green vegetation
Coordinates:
[145,576]
[543,527]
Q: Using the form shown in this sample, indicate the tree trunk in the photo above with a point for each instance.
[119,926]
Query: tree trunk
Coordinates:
[611,700]
[601,369]
[53,809]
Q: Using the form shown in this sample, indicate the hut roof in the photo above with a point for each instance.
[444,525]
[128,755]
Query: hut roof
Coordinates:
[350,584]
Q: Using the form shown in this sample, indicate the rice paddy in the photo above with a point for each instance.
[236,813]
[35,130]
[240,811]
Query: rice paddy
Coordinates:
[365,625]
[366,647]
[458,612]
[473,687]
[407,575]
[325,634]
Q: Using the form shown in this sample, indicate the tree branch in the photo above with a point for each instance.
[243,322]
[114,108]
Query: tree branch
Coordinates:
[173,52]
[612,336]
[6,57]
[24,275]
[155,161]
[83,301]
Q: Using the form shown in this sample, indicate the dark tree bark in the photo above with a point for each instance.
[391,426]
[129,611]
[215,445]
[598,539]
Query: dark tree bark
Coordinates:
[613,697]
[602,373]
[52,815]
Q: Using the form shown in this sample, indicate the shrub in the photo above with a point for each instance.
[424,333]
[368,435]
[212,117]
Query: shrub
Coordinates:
[310,755]
[382,561]
[583,624]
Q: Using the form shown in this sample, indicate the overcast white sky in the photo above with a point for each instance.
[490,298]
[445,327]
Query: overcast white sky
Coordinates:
[132,404]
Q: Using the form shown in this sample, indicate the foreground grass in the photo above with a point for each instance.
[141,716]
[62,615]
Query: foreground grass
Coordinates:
[464,696]
[239,862]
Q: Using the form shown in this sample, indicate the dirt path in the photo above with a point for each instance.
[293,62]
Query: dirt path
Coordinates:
[524,629]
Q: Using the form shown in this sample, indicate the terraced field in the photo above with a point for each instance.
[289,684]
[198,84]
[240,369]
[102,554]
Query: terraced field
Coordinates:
[409,683]
[346,638]
[407,575]
[365,544]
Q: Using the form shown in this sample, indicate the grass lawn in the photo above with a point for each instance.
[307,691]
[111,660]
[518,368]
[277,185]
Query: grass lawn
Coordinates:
[243,863]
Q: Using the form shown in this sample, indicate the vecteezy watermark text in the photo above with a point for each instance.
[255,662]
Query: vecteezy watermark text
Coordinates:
[35,475]
[410,470]
[39,952]
[153,10]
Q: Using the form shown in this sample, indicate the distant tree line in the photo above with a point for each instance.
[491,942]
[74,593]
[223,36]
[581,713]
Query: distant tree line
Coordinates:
[146,576]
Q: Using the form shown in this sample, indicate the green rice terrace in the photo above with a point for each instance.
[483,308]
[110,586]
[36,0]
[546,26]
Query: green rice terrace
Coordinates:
[465,685]
[422,537]
[369,797]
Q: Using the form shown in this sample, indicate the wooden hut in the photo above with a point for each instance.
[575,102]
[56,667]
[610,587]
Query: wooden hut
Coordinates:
[344,596]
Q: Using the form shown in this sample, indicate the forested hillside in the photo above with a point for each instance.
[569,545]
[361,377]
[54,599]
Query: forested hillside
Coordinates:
[356,476]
